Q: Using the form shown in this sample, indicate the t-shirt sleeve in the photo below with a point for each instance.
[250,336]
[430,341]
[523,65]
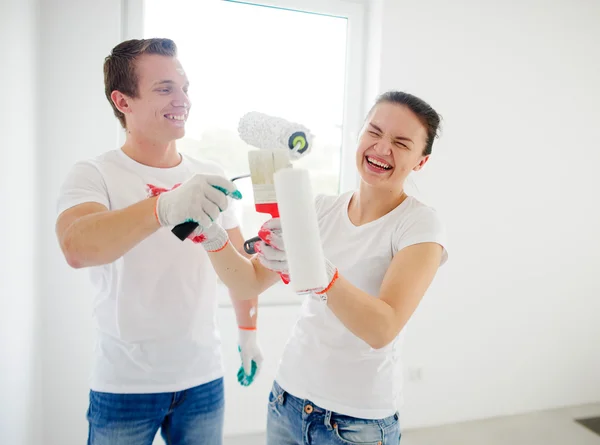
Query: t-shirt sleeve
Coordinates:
[424,227]
[84,183]
[230,218]
[322,205]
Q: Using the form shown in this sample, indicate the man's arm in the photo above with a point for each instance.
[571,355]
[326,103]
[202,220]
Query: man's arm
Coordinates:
[90,235]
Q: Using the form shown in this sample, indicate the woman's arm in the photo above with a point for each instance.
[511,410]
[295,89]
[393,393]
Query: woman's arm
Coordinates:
[376,320]
[379,320]
[243,276]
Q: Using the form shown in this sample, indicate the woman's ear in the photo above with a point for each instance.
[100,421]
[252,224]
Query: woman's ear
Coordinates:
[421,163]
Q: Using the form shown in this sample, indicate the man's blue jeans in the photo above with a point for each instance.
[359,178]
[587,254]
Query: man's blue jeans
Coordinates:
[190,417]
[293,421]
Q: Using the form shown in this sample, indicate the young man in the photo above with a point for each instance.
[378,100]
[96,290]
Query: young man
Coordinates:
[157,360]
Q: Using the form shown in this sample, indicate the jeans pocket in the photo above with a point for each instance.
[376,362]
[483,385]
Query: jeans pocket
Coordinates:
[359,433]
[276,395]
[392,434]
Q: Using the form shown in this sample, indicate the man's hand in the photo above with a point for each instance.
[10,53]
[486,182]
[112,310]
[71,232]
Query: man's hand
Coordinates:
[212,236]
[199,199]
[271,253]
[251,356]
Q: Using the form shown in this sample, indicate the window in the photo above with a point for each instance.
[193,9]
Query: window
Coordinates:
[300,64]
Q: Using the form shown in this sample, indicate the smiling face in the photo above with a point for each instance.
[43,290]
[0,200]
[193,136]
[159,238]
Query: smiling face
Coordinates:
[160,110]
[390,146]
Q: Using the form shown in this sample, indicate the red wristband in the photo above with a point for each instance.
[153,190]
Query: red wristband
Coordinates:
[333,280]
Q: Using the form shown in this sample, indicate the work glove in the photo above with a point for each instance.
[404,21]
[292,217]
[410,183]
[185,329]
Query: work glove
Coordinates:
[250,354]
[200,199]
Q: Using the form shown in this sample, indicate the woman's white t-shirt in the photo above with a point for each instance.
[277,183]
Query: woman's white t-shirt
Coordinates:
[325,362]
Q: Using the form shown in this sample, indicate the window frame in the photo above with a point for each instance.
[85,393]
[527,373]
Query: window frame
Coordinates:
[354,11]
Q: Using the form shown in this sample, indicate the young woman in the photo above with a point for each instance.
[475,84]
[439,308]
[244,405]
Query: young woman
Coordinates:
[339,379]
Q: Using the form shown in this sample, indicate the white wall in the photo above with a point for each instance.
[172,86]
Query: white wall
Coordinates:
[512,323]
[19,389]
[76,123]
[518,105]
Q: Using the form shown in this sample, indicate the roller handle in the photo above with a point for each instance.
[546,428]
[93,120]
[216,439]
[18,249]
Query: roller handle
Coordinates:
[272,209]
[249,249]
[249,245]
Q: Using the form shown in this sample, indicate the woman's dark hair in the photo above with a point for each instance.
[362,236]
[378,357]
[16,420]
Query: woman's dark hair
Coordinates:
[426,114]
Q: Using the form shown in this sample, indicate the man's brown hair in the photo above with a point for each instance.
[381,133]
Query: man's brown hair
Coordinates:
[119,67]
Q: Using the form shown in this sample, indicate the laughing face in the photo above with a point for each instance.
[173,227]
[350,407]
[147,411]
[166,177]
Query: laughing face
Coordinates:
[161,109]
[391,145]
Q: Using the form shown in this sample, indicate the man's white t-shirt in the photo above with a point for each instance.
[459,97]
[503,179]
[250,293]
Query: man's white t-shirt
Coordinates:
[325,362]
[155,307]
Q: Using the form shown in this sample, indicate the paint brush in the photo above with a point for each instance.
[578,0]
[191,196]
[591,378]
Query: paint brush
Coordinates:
[263,165]
[183,230]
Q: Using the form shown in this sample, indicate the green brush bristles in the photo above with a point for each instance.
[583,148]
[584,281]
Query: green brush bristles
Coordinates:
[235,195]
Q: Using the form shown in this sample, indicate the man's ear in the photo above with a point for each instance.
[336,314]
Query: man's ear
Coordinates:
[421,163]
[121,101]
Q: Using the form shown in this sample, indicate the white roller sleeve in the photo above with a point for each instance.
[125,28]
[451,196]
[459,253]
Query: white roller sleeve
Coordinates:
[300,230]
[272,133]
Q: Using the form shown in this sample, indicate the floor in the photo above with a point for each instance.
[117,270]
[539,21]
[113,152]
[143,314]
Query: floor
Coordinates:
[556,427]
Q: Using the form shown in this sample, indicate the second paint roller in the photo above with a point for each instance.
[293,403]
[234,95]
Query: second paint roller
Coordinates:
[274,133]
[300,230]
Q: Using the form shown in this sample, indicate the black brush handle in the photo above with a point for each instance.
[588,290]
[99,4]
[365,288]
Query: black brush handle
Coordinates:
[183,230]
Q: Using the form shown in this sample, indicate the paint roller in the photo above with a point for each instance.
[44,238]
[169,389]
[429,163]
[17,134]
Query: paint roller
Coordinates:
[284,192]
[279,141]
[300,230]
[274,133]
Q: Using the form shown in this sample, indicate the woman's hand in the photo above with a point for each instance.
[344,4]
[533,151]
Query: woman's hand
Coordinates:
[271,253]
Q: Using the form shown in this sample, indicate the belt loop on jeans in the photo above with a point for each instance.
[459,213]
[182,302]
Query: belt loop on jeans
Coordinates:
[327,420]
